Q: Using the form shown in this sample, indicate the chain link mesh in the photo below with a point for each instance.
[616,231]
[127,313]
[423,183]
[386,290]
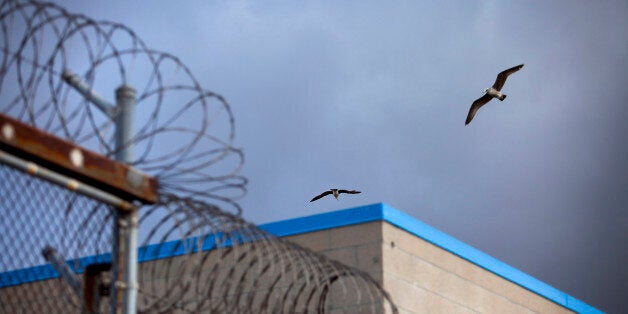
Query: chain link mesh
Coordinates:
[37,214]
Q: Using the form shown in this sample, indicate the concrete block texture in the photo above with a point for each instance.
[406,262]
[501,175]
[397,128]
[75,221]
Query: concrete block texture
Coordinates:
[356,235]
[316,241]
[446,282]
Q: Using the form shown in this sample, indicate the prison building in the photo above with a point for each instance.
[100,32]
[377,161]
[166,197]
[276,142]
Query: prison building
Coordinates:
[422,269]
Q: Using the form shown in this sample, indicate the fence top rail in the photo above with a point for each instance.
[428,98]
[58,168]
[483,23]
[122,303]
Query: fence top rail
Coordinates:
[75,161]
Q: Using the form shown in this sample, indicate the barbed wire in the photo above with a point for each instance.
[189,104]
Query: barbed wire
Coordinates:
[228,264]
[198,254]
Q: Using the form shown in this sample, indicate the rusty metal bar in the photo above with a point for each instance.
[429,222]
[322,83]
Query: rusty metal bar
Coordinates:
[74,161]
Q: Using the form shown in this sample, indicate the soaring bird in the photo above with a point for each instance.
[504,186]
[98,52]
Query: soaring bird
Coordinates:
[335,193]
[493,92]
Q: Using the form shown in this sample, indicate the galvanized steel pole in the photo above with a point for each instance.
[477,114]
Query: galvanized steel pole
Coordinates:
[127,221]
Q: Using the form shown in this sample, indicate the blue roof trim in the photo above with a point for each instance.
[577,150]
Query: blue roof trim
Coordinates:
[345,217]
[26,275]
[341,218]
[44,272]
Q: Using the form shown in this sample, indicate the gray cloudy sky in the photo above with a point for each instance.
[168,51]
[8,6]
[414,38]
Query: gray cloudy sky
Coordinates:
[373,96]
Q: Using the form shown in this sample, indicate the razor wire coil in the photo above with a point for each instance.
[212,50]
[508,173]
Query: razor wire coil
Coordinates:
[197,254]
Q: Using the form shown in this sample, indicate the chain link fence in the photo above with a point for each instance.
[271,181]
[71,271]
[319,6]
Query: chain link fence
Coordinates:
[37,215]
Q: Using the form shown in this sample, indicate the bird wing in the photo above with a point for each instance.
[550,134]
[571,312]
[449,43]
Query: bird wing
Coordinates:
[476,106]
[503,75]
[321,195]
[349,191]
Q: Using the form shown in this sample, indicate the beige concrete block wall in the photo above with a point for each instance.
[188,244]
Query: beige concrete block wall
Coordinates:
[424,278]
[421,277]
[236,275]
[45,296]
[358,246]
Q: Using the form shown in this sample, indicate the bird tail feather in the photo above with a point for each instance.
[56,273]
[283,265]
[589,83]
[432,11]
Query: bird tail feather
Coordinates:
[503,97]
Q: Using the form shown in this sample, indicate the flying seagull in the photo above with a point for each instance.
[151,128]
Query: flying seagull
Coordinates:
[493,92]
[335,193]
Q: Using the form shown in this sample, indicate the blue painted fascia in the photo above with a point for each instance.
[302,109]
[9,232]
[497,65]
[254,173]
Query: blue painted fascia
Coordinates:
[345,217]
[44,272]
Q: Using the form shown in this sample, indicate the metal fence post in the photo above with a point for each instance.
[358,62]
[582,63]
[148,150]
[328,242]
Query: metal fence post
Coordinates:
[126,224]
